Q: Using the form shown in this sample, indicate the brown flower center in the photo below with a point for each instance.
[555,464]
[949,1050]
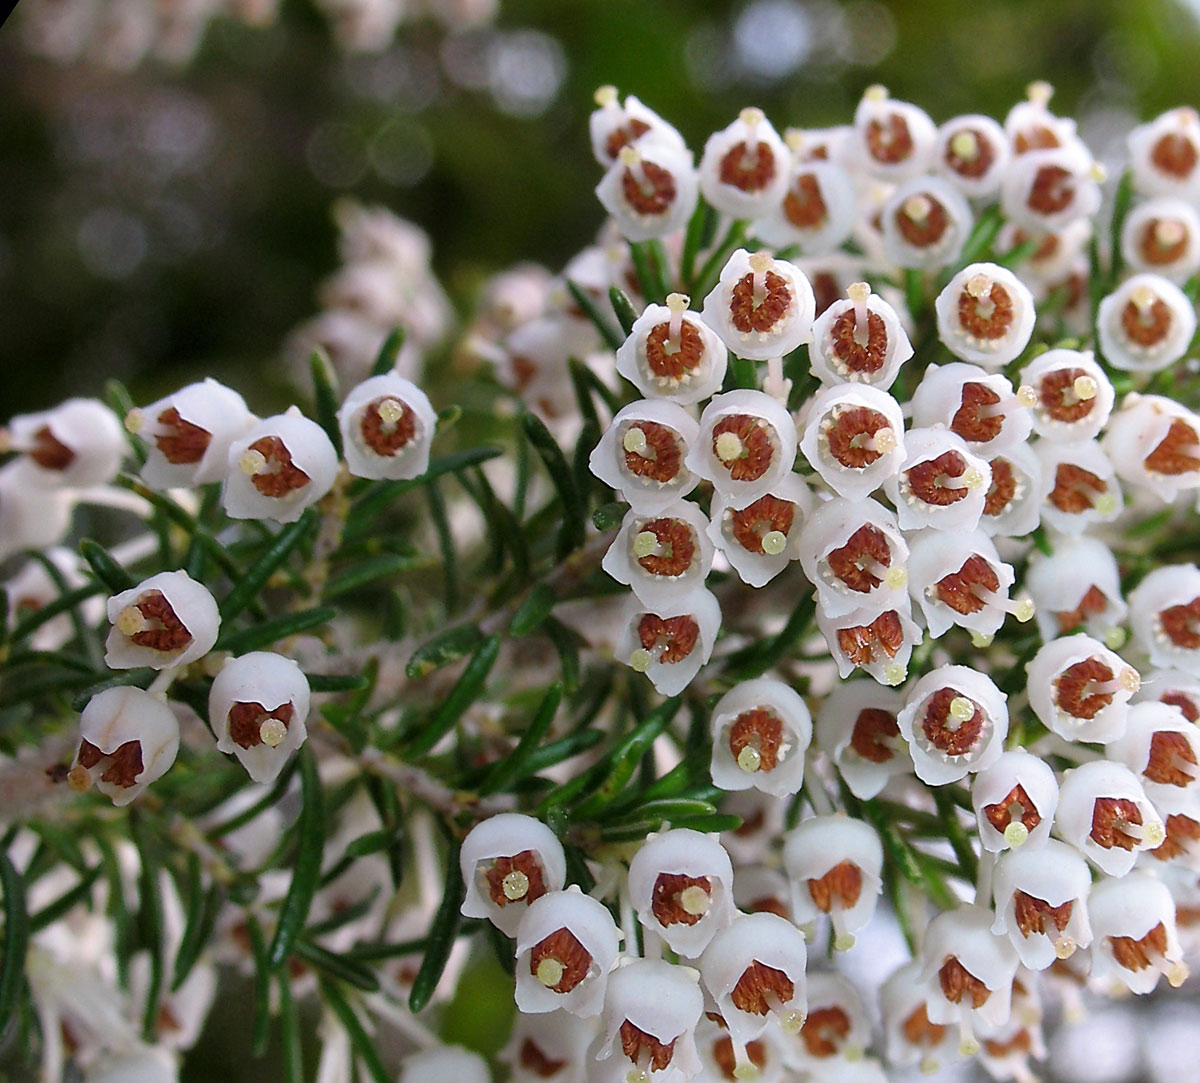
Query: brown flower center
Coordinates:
[560,954]
[1058,397]
[662,456]
[165,631]
[1182,833]
[1020,1042]
[1174,154]
[1035,137]
[868,357]
[958,982]
[1075,691]
[970,421]
[840,886]
[677,547]
[622,136]
[854,563]
[641,1047]
[760,730]
[919,1031]
[1188,706]
[534,1059]
[1092,604]
[1163,241]
[675,635]
[1109,815]
[752,313]
[976,164]
[1052,190]
[652,193]
[889,141]
[518,878]
[759,986]
[1176,452]
[1137,954]
[1181,624]
[1075,489]
[803,205]
[122,766]
[746,170]
[864,642]
[1170,754]
[1146,325]
[757,438]
[280,476]
[926,229]
[246,719]
[849,432]
[929,481]
[1035,915]
[768,513]
[989,317]
[944,730]
[957,590]
[1015,806]
[1003,490]
[181,442]
[390,436]
[824,1031]
[872,729]
[673,360]
[680,900]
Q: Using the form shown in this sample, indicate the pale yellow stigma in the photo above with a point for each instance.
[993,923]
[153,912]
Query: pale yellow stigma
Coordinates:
[858,292]
[629,155]
[1169,232]
[968,1047]
[1154,833]
[645,544]
[1027,396]
[972,477]
[894,674]
[1098,173]
[965,145]
[747,1071]
[252,462]
[761,262]
[634,441]
[1143,298]
[1085,388]
[130,621]
[1039,92]
[605,96]
[637,1075]
[134,420]
[751,116]
[678,302]
[729,447]
[515,886]
[774,542]
[795,140]
[791,1022]
[1177,974]
[79,780]
[979,286]
[896,577]
[843,942]
[749,759]
[391,411]
[884,441]
[640,660]
[929,1065]
[1024,610]
[550,972]
[1130,679]
[979,640]
[695,900]
[917,208]
[876,93]
[1016,834]
[1114,638]
[1065,947]
[272,732]
[962,709]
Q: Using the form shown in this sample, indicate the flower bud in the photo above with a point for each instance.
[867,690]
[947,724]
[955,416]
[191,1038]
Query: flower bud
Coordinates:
[1164,615]
[671,353]
[1162,748]
[614,126]
[761,729]
[650,190]
[443,1062]
[681,884]
[664,558]
[761,307]
[877,639]
[78,444]
[642,452]
[1080,689]
[1154,443]
[1077,586]
[940,484]
[747,444]
[910,1038]
[1047,189]
[973,154]
[508,862]
[817,212]
[1164,155]
[1133,919]
[1145,324]
[955,721]
[978,406]
[985,315]
[854,438]
[925,224]
[1012,507]
[744,170]
[669,643]
[281,466]
[1014,801]
[1162,236]
[1071,396]
[760,538]
[1079,485]
[1104,813]
[892,140]
[960,580]
[651,1010]
[258,707]
[387,426]
[188,434]
[566,945]
[165,621]
[856,728]
[128,739]
[859,339]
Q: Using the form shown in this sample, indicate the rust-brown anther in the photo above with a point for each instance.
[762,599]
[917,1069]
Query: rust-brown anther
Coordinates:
[1185,703]
[969,420]
[1174,154]
[927,229]
[560,955]
[653,192]
[978,163]
[166,631]
[1162,241]
[1108,816]
[662,456]
[958,982]
[1034,915]
[1020,1042]
[869,357]
[123,766]
[986,318]
[1181,624]
[862,643]
[957,590]
[49,452]
[1075,489]
[675,635]
[280,476]
[180,442]
[1058,398]
[889,141]
[759,986]
[1136,954]
[516,878]
[1146,325]
[825,290]
[750,313]
[622,136]
[639,1046]
[803,205]
[840,886]
[1036,137]
[768,513]
[671,361]
[382,435]
[850,432]
[676,547]
[1167,749]
[1176,452]
[757,446]
[534,1059]
[768,904]
[746,170]
[927,480]
[1003,489]
[761,730]
[1182,834]
[723,1057]
[1015,806]
[1052,191]
[852,564]
[246,719]
[824,1031]
[676,898]
[919,1031]
[872,729]
[946,732]
[1092,604]
[1074,690]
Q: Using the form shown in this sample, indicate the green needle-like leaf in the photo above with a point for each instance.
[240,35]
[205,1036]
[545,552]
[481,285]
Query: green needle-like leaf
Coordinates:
[16,940]
[250,585]
[306,872]
[467,689]
[441,936]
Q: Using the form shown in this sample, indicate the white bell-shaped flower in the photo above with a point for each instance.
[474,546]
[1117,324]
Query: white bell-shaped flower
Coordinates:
[77,444]
[859,339]
[1014,801]
[165,621]
[1055,252]
[745,167]
[533,360]
[1040,895]
[567,943]
[1005,1052]
[136,1064]
[1162,748]
[1076,586]
[281,466]
[508,862]
[1104,812]
[1180,848]
[909,1037]
[33,587]
[817,212]
[761,307]
[1080,689]
[443,1062]
[718,1059]
[613,126]
[960,580]
[664,557]
[1153,443]
[650,190]
[968,972]
[878,640]
[1145,324]
[985,314]
[549,1048]
[1162,236]
[128,739]
[258,706]
[747,444]
[940,484]
[681,884]
[856,728]
[1079,486]
[754,971]
[387,426]
[760,538]
[1181,690]
[760,889]
[834,864]
[641,454]
[1013,506]
[1164,615]
[761,729]
[672,353]
[1164,155]
[836,1027]
[1071,396]
[973,154]
[892,140]
[32,515]
[1047,189]
[853,552]
[1030,126]
[1136,942]
[669,643]
[854,438]
[925,222]
[978,406]
[188,433]
[955,721]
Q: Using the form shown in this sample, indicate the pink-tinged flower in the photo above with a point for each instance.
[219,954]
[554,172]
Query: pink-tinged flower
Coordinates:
[1153,443]
[761,307]
[549,1048]
[976,405]
[985,315]
[509,861]
[258,706]
[1040,897]
[567,943]
[671,353]
[1104,812]
[746,445]
[1014,801]
[760,537]
[614,126]
[650,190]
[1012,507]
[955,721]
[856,728]
[187,434]
[669,643]
[283,465]
[642,454]
[681,884]
[1145,324]
[1047,189]
[1080,689]
[1070,395]
[834,864]
[1079,485]
[879,639]
[1030,126]
[1076,586]
[853,437]
[836,1028]
[165,621]
[941,482]
[1164,615]
[745,167]
[1164,155]
[817,212]
[651,1011]
[77,444]
[1162,748]
[909,1036]
[664,557]
[387,425]
[859,339]
[972,153]
[1133,919]
[443,1062]
[892,140]
[761,729]
[925,223]
[128,739]
[1162,236]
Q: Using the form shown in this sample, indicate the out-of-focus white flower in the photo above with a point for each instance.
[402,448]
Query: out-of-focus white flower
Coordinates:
[972,153]
[1164,154]
[859,339]
[854,438]
[1078,485]
[671,353]
[445,1062]
[1145,324]
[283,465]
[1153,443]
[1164,615]
[1014,800]
[139,1064]
[1030,125]
[892,140]
[650,190]
[1162,236]
[974,404]
[669,643]
[1079,584]
[744,170]
[509,861]
[940,484]
[925,223]
[642,453]
[761,307]
[1173,686]
[746,444]
[818,209]
[32,516]
[128,739]
[32,588]
[1047,189]
[856,728]
[761,729]
[550,1047]
[1080,689]
[1104,813]
[719,1060]
[664,557]
[77,444]
[909,1037]
[836,1027]
[1136,942]
[1071,396]
[165,621]
[1162,748]
[614,126]
[985,315]
[761,538]
[387,426]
